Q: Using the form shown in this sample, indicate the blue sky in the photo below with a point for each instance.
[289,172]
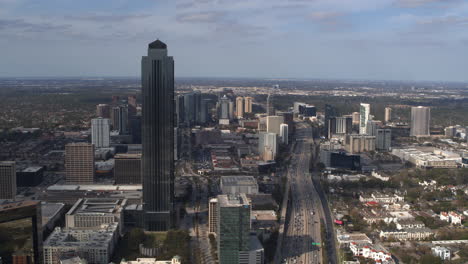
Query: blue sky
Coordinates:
[358,39]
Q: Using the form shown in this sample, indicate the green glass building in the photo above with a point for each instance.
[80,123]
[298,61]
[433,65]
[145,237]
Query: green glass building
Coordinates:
[233,227]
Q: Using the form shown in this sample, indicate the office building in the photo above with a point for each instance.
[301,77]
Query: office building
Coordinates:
[103,110]
[356,118]
[388,114]
[233,227]
[204,112]
[100,132]
[297,107]
[274,124]
[135,128]
[180,110]
[213,216]
[239,107]
[330,112]
[79,163]
[364,116]
[7,180]
[372,126]
[256,253]
[359,143]
[29,177]
[223,113]
[340,125]
[231,110]
[267,141]
[127,168]
[284,134]
[270,111]
[14,214]
[309,111]
[340,160]
[248,104]
[197,100]
[132,105]
[189,108]
[95,245]
[234,185]
[93,212]
[119,119]
[450,131]
[420,121]
[383,139]
[174,260]
[423,158]
[158,137]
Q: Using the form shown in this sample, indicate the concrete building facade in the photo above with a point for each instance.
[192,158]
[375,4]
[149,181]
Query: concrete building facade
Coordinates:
[420,121]
[79,163]
[100,132]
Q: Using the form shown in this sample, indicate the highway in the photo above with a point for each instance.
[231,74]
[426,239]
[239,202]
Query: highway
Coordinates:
[305,209]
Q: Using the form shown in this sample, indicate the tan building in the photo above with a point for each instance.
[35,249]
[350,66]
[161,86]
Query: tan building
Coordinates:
[127,169]
[7,180]
[248,104]
[239,107]
[79,163]
[356,118]
[359,143]
[274,124]
[388,114]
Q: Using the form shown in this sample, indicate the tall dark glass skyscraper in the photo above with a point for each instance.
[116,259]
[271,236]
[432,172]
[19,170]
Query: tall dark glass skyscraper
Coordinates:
[157,79]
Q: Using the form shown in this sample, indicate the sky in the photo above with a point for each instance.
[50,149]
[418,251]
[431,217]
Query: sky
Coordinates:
[324,39]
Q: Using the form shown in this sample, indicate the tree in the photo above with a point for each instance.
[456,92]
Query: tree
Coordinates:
[430,259]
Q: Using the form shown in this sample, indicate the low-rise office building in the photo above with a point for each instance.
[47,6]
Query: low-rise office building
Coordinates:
[95,245]
[93,212]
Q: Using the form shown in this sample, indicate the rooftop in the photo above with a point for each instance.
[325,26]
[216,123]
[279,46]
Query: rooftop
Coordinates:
[33,169]
[97,206]
[238,180]
[15,205]
[157,44]
[233,200]
[74,237]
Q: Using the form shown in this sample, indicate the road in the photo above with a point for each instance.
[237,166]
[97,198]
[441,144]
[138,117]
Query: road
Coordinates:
[305,210]
[195,221]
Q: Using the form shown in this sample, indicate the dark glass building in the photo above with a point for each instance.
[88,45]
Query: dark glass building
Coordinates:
[157,79]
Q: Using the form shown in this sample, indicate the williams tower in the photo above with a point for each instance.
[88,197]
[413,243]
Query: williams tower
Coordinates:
[157,79]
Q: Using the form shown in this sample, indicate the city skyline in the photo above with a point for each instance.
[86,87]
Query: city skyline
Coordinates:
[383,40]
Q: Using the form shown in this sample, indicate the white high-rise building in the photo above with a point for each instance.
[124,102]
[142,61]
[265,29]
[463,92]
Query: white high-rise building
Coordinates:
[364,116]
[100,130]
[420,121]
[267,141]
[274,123]
[284,134]
[388,114]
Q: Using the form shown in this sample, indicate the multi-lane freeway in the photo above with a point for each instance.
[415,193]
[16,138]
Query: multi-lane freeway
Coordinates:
[302,241]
